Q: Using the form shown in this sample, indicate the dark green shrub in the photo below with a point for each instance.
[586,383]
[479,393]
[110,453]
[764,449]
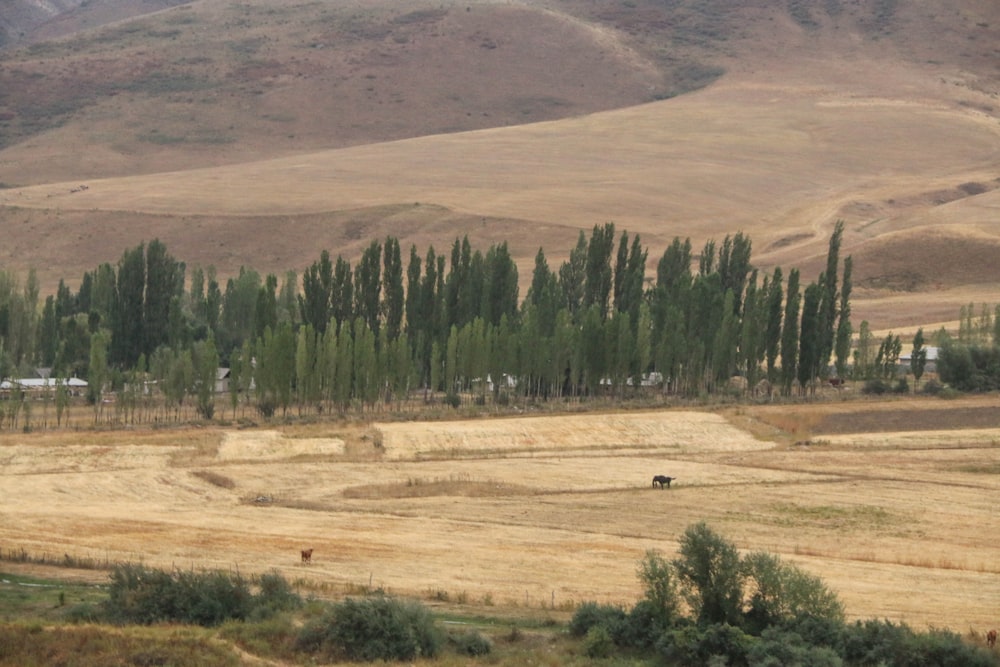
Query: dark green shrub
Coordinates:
[275,594]
[932,388]
[643,626]
[700,646]
[141,595]
[598,642]
[779,648]
[377,628]
[901,386]
[470,643]
[591,614]
[875,386]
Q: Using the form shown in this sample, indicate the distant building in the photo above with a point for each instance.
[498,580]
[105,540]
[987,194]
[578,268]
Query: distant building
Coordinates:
[38,386]
[930,367]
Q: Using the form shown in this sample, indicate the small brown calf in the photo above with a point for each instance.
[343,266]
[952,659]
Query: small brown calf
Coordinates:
[307,555]
[991,638]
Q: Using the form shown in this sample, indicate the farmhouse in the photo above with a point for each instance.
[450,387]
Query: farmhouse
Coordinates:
[907,357]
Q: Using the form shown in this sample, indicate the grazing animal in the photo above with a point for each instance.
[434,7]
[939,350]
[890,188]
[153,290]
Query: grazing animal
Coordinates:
[661,480]
[991,638]
[307,555]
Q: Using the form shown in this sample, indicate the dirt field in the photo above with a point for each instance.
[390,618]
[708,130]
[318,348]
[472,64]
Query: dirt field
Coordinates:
[537,511]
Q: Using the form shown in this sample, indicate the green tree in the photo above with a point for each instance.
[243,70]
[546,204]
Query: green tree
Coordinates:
[392,289]
[864,353]
[368,287]
[127,321]
[780,592]
[599,280]
[572,277]
[98,372]
[842,346]
[205,359]
[790,334]
[316,300]
[918,358]
[710,575]
[810,337]
[659,586]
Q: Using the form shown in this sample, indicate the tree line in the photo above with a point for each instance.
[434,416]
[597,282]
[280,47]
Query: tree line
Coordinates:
[353,337]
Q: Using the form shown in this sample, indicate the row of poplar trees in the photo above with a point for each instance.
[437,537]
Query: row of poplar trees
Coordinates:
[348,336]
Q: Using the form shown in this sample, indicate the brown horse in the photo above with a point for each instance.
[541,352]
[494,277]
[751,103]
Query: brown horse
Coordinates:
[307,555]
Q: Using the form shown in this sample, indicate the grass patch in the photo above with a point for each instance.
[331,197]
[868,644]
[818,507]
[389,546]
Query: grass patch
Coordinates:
[454,485]
[831,516]
[23,598]
[97,646]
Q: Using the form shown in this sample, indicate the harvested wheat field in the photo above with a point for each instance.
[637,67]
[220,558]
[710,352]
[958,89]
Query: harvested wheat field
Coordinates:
[535,512]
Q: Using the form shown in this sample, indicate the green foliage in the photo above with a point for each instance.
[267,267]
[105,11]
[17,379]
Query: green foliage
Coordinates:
[710,575]
[659,579]
[591,614]
[779,648]
[780,592]
[875,642]
[471,643]
[376,628]
[695,645]
[140,595]
[598,642]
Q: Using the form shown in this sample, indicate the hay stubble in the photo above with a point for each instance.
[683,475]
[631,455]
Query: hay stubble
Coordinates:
[519,512]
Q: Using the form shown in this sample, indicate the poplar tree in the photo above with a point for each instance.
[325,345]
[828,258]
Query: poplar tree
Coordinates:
[317,293]
[392,289]
[842,346]
[918,358]
[810,338]
[368,288]
[599,281]
[572,276]
[790,334]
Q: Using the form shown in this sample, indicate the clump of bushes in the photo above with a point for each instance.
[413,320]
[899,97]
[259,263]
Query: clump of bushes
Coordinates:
[369,629]
[143,596]
[752,610]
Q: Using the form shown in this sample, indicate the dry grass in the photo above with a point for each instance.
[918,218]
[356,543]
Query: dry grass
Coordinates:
[528,513]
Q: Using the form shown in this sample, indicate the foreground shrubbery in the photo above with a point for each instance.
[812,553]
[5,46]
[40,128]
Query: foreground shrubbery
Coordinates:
[141,595]
[709,606]
[376,628]
[753,611]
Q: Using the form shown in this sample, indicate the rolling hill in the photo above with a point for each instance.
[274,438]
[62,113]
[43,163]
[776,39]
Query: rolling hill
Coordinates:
[260,133]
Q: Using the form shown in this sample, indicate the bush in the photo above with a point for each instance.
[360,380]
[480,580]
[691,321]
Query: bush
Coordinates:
[701,646]
[591,614]
[144,596]
[778,648]
[932,388]
[377,628]
[471,643]
[875,386]
[275,595]
[598,643]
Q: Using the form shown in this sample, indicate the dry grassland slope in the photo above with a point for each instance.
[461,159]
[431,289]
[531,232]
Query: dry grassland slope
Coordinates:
[850,112]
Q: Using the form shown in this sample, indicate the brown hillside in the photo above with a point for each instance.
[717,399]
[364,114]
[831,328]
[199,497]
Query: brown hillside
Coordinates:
[330,124]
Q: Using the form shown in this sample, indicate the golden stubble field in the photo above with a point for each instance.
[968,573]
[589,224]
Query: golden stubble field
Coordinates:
[532,512]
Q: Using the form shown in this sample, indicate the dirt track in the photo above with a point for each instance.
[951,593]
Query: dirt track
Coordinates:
[525,511]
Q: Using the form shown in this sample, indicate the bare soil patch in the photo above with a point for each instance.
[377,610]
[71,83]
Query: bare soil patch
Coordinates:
[521,513]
